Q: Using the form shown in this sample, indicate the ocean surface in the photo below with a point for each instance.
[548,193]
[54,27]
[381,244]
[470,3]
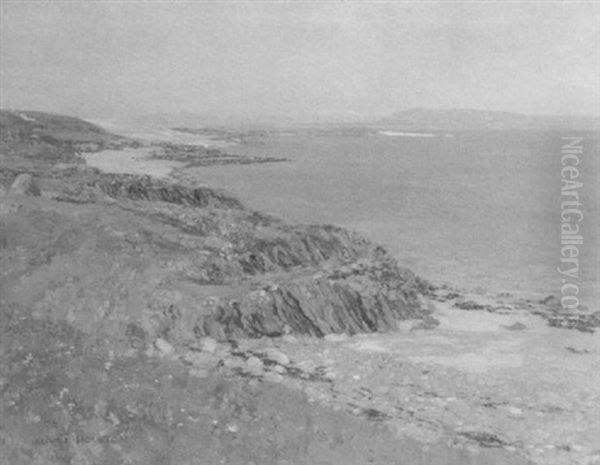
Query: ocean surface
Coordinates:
[480,210]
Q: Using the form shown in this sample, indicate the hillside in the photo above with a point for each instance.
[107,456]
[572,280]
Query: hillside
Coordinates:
[148,320]
[191,235]
[112,280]
[59,127]
[45,134]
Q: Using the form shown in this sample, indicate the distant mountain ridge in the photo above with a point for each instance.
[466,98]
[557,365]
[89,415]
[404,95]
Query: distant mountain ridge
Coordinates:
[414,119]
[465,119]
[59,127]
[424,119]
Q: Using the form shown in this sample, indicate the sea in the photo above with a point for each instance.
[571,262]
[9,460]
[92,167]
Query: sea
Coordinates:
[476,210]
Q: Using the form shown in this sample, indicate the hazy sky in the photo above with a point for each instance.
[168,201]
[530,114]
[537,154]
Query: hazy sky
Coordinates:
[102,59]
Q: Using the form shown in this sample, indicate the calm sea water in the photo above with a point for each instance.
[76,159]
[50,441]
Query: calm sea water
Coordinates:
[478,210]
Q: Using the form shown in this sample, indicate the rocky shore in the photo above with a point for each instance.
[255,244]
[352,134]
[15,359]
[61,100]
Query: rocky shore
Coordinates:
[115,265]
[191,253]
[146,320]
[193,155]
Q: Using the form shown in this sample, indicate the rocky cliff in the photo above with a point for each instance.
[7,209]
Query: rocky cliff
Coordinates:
[137,258]
[140,323]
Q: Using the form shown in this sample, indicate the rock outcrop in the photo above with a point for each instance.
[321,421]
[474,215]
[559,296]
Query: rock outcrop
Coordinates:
[138,259]
[24,184]
[91,185]
[181,272]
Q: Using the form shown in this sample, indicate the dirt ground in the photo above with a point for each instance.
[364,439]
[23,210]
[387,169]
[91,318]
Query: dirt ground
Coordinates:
[482,380]
[68,400]
[481,387]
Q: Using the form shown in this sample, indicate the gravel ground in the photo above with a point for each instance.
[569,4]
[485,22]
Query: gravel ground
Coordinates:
[479,379]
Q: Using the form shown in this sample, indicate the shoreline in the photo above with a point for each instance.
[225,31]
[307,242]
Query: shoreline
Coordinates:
[147,284]
[468,365]
[143,161]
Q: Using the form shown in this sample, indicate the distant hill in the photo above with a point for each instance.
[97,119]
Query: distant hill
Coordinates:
[37,138]
[423,119]
[222,120]
[112,284]
[461,119]
[26,125]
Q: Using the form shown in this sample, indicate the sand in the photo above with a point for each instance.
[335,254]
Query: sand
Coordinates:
[131,161]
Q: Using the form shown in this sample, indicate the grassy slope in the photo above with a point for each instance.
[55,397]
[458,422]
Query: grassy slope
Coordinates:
[30,124]
[34,142]
[92,274]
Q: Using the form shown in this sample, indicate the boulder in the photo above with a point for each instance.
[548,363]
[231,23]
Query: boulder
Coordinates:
[201,360]
[254,365]
[335,337]
[277,356]
[24,184]
[427,322]
[552,302]
[208,344]
[518,326]
[279,369]
[163,346]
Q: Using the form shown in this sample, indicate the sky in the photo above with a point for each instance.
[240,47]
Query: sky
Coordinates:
[298,59]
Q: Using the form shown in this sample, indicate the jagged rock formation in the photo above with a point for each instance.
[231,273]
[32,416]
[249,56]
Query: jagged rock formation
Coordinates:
[194,155]
[181,272]
[91,185]
[137,259]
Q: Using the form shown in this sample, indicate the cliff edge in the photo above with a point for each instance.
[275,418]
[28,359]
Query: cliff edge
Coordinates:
[126,254]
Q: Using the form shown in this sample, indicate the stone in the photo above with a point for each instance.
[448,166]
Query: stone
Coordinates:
[232,363]
[208,344]
[579,448]
[24,184]
[551,301]
[274,377]
[518,326]
[514,410]
[427,322]
[199,373]
[114,419]
[164,347]
[278,356]
[100,408]
[200,359]
[422,302]
[254,365]
[336,337]
[279,369]
[233,428]
[150,351]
